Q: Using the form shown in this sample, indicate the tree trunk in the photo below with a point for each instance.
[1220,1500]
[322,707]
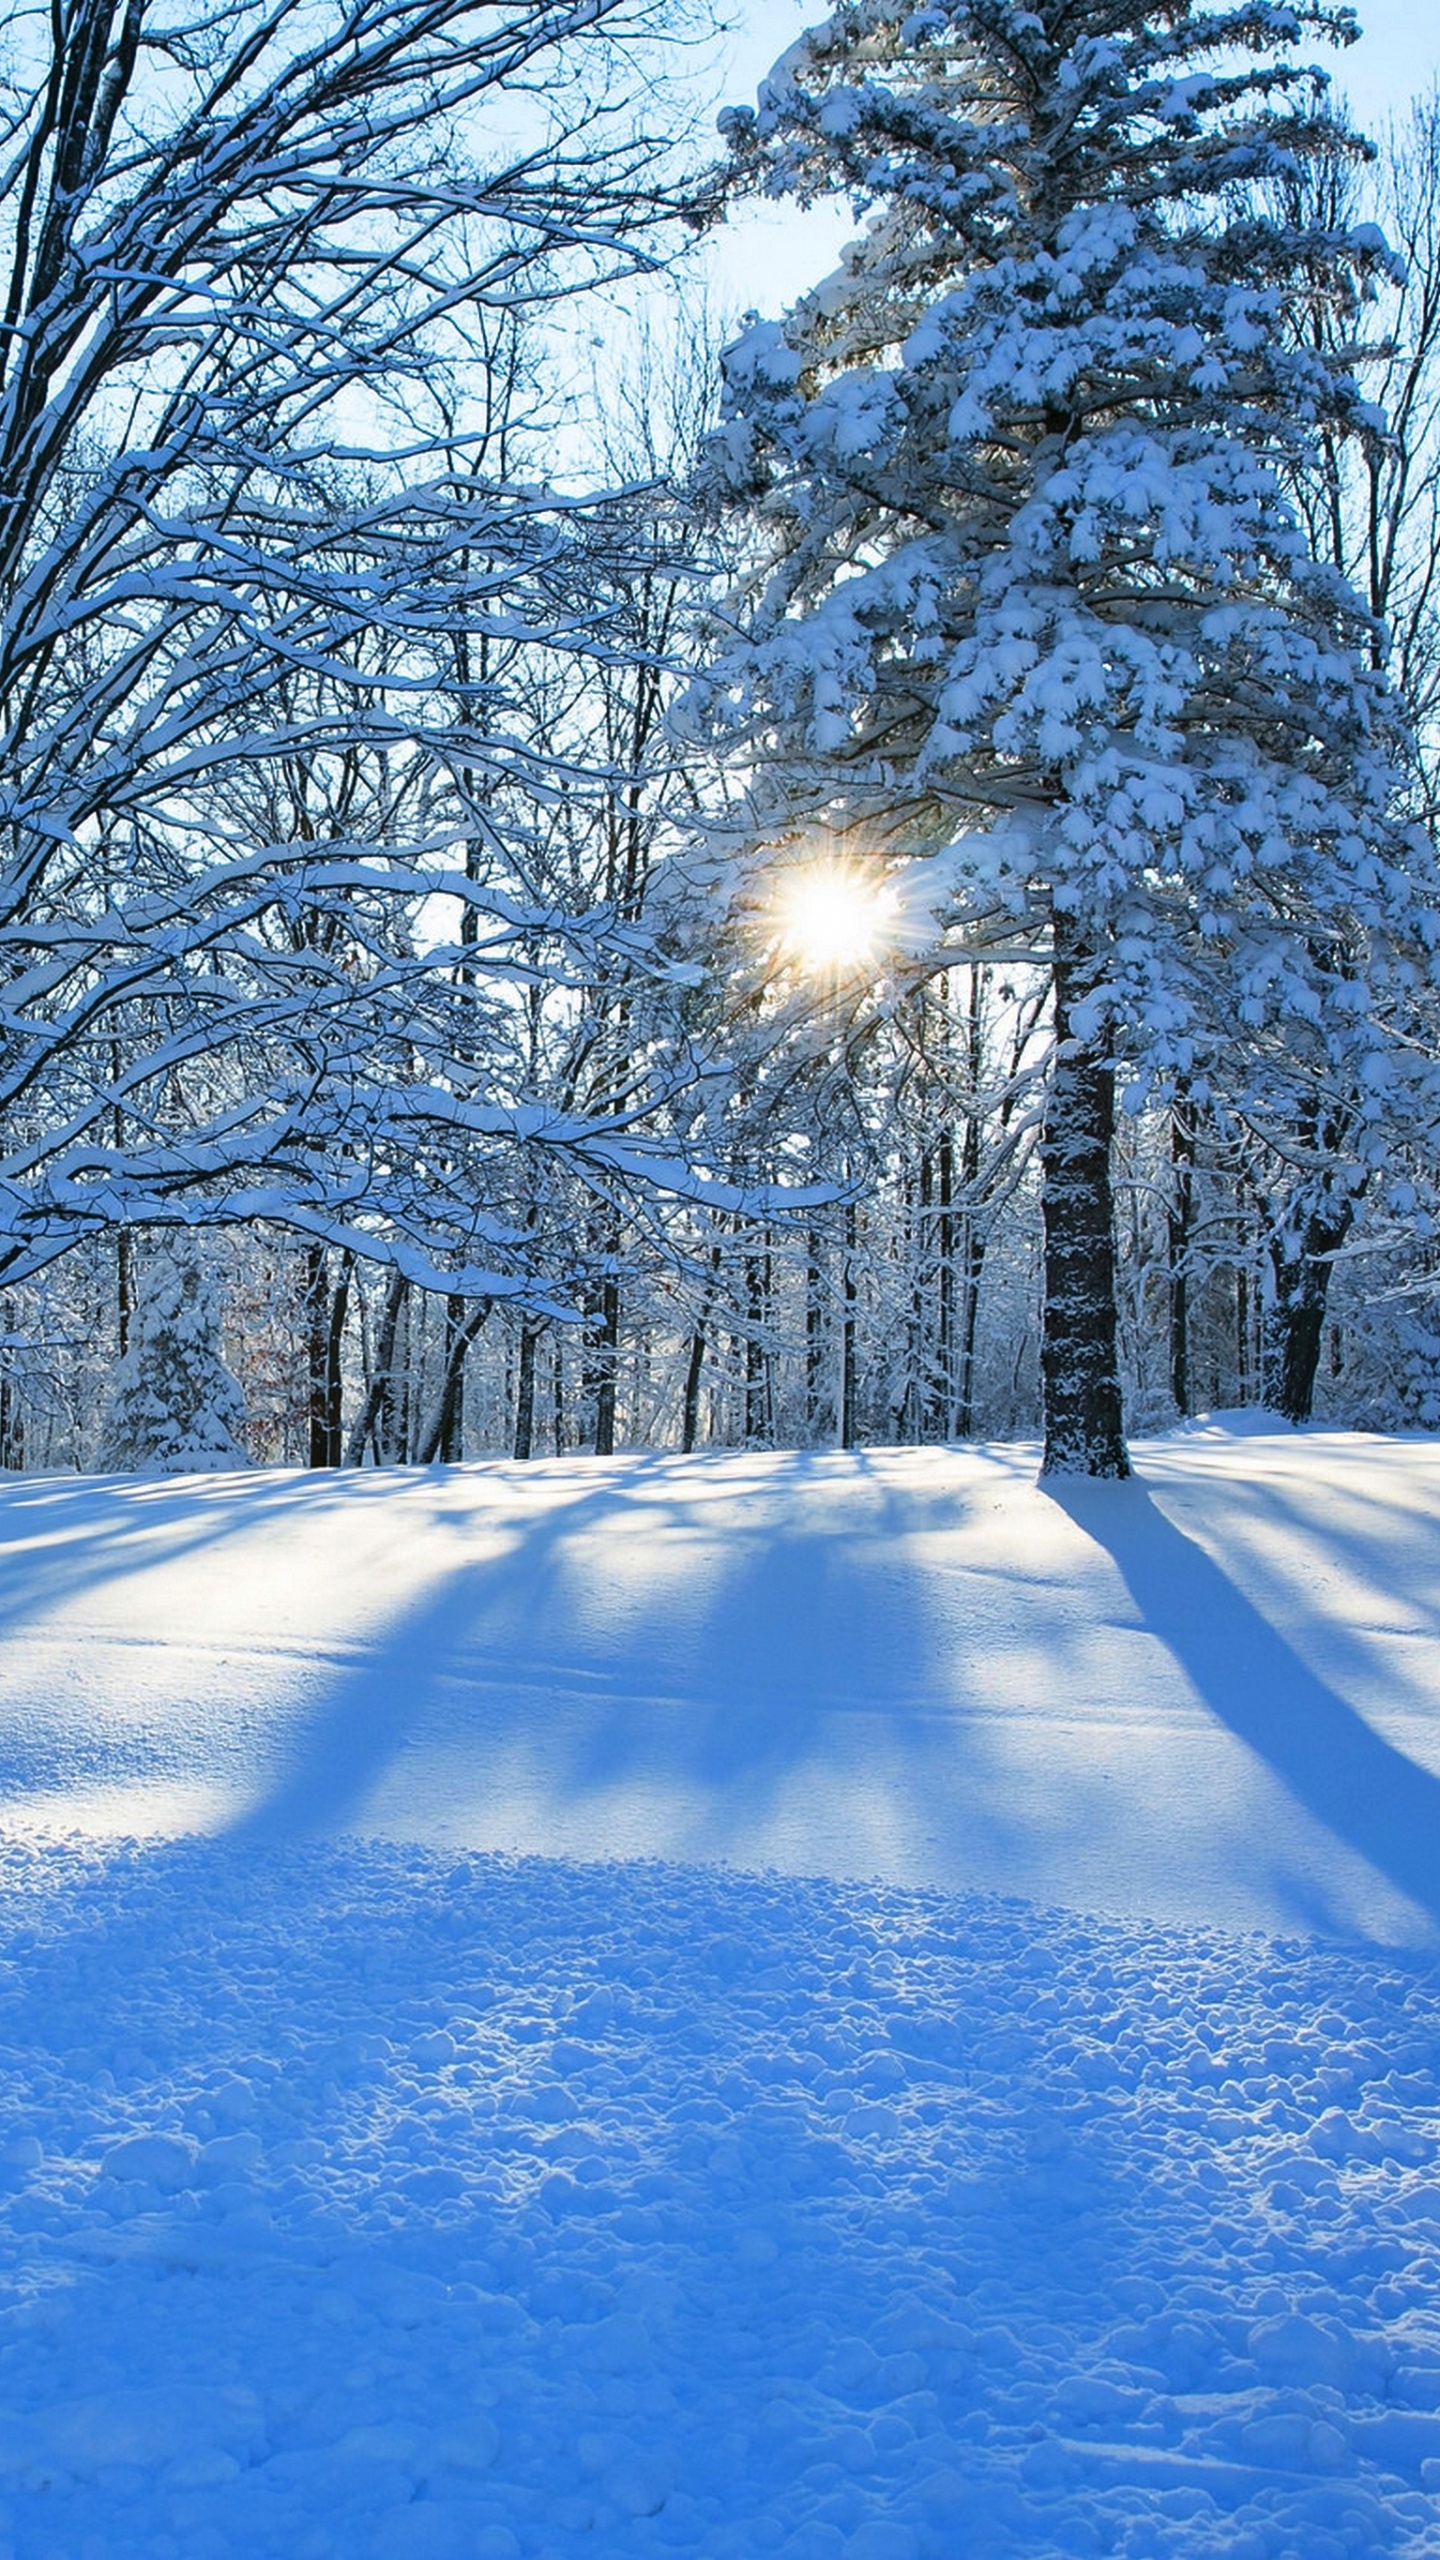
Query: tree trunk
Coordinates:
[606,1368]
[452,1442]
[945,1335]
[1079,1354]
[326,1310]
[972,1264]
[694,1368]
[910,1406]
[1181,1220]
[525,1391]
[440,1421]
[848,1294]
[1242,1333]
[403,1391]
[755,1313]
[960,1421]
[124,1288]
[814,1339]
[334,1356]
[374,1414]
[695,1365]
[12,1425]
[317,1310]
[1301,1262]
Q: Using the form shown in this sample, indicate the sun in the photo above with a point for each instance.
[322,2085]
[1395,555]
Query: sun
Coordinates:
[832,918]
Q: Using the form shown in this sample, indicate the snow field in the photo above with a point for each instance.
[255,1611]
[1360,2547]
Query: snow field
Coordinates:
[1210,1697]
[363,2203]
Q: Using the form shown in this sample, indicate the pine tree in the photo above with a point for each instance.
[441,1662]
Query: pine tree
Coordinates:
[1032,600]
[173,1407]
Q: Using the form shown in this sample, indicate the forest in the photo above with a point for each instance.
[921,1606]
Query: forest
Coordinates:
[583,871]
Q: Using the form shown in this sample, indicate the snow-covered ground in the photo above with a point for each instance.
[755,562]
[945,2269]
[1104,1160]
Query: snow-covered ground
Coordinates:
[367,2191]
[1211,1696]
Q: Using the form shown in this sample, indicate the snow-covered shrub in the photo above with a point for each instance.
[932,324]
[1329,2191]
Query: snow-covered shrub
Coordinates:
[173,1406]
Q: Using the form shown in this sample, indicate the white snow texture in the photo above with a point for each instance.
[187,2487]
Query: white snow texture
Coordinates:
[370,2193]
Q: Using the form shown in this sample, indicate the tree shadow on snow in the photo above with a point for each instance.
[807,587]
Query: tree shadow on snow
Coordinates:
[704,1645]
[1368,1795]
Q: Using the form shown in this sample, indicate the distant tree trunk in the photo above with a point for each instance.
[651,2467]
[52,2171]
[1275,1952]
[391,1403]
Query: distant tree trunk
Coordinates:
[911,1401]
[440,1420]
[945,1342]
[754,1352]
[334,1358]
[525,1390]
[402,1397]
[124,1288]
[12,1420]
[317,1313]
[557,1390]
[695,1365]
[452,1444]
[848,1295]
[1243,1380]
[922,1383]
[971,1266]
[960,1421]
[1301,1261]
[326,1309]
[694,1369]
[1181,1220]
[376,1414]
[605,1368]
[814,1338]
[1079,1354]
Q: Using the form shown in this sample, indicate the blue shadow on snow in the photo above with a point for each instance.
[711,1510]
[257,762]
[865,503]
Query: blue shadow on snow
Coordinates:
[1369,1795]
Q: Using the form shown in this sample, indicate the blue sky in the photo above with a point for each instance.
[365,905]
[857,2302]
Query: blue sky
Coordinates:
[766,257]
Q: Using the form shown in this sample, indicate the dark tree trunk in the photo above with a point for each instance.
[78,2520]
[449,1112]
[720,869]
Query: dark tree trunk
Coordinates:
[694,1369]
[1079,1355]
[124,1288]
[12,1427]
[695,1365]
[971,1267]
[945,1338]
[910,1408]
[375,1418]
[848,1294]
[960,1421]
[1301,1261]
[605,1368]
[923,1388]
[814,1339]
[452,1443]
[334,1356]
[525,1392]
[440,1422]
[1181,1224]
[317,1330]
[755,1313]
[325,1312]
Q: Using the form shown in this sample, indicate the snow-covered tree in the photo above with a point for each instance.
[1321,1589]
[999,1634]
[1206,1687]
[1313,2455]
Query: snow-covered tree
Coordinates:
[1370,506]
[255,524]
[1033,600]
[173,1407]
